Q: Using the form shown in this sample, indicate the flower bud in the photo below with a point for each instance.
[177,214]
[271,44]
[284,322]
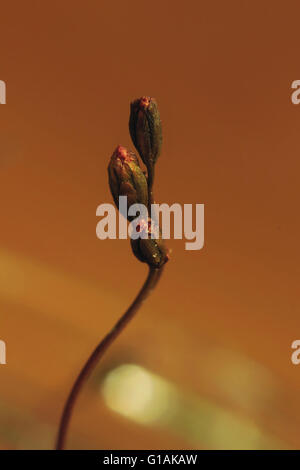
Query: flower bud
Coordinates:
[126,178]
[150,250]
[145,129]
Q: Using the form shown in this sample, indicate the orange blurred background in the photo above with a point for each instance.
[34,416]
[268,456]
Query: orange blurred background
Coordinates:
[216,334]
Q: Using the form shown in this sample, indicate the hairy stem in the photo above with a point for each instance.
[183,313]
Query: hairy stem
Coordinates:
[149,285]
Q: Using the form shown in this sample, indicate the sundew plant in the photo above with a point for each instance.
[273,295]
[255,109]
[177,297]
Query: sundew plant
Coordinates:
[126,178]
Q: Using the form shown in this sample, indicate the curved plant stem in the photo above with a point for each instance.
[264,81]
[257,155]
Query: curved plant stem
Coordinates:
[150,181]
[149,285]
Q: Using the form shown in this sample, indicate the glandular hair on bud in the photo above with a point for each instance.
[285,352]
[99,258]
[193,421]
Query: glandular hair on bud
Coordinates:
[145,129]
[126,178]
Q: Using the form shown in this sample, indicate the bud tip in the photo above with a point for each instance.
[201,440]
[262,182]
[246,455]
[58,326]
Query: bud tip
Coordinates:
[144,102]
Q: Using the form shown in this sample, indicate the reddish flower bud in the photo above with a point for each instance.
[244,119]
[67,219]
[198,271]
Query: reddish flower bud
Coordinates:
[145,129]
[126,178]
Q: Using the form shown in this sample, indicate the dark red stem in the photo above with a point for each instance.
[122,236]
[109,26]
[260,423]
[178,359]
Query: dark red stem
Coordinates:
[149,285]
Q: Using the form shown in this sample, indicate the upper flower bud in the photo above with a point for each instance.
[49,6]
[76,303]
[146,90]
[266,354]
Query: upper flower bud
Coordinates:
[126,178]
[145,129]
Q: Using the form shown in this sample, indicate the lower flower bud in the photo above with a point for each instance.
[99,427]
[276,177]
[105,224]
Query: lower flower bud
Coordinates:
[150,250]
